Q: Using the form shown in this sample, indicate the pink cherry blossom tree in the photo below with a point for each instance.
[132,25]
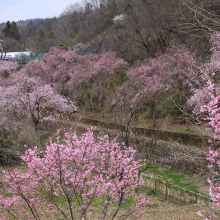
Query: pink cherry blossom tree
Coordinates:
[83,78]
[71,177]
[6,68]
[181,73]
[104,66]
[141,89]
[173,74]
[181,69]
[211,112]
[29,98]
[35,68]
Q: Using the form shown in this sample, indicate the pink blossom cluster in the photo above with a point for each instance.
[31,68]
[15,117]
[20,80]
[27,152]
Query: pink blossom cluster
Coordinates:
[72,69]
[180,68]
[82,78]
[79,171]
[100,80]
[31,99]
[198,99]
[212,108]
[175,70]
[7,67]
[203,215]
[140,89]
[212,112]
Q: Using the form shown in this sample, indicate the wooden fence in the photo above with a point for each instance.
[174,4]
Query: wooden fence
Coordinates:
[172,192]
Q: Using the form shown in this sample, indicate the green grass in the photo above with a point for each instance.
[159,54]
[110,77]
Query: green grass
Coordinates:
[173,177]
[97,206]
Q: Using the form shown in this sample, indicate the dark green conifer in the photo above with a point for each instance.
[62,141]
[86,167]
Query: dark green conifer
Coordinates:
[11,30]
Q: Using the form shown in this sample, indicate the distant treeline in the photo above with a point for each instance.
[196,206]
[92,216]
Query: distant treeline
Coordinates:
[136,31]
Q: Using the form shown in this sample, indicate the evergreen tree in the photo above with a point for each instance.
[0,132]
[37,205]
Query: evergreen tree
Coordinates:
[14,31]
[6,30]
[11,30]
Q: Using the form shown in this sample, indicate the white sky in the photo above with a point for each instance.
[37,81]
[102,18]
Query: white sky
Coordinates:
[14,10]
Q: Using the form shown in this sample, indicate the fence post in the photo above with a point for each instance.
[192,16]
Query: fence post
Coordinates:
[166,192]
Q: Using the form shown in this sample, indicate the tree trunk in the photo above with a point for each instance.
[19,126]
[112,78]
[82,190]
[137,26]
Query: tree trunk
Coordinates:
[153,116]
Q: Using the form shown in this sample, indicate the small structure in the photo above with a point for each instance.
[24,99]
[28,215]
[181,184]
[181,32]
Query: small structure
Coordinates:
[16,55]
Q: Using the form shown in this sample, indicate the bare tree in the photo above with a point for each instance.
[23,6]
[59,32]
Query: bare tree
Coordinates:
[1,50]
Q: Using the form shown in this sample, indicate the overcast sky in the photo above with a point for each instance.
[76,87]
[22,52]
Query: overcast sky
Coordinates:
[14,10]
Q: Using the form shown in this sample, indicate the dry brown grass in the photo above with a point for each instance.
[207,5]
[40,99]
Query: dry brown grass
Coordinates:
[165,210]
[158,210]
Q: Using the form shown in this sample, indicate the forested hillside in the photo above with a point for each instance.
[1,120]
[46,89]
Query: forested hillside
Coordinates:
[140,70]
[135,29]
